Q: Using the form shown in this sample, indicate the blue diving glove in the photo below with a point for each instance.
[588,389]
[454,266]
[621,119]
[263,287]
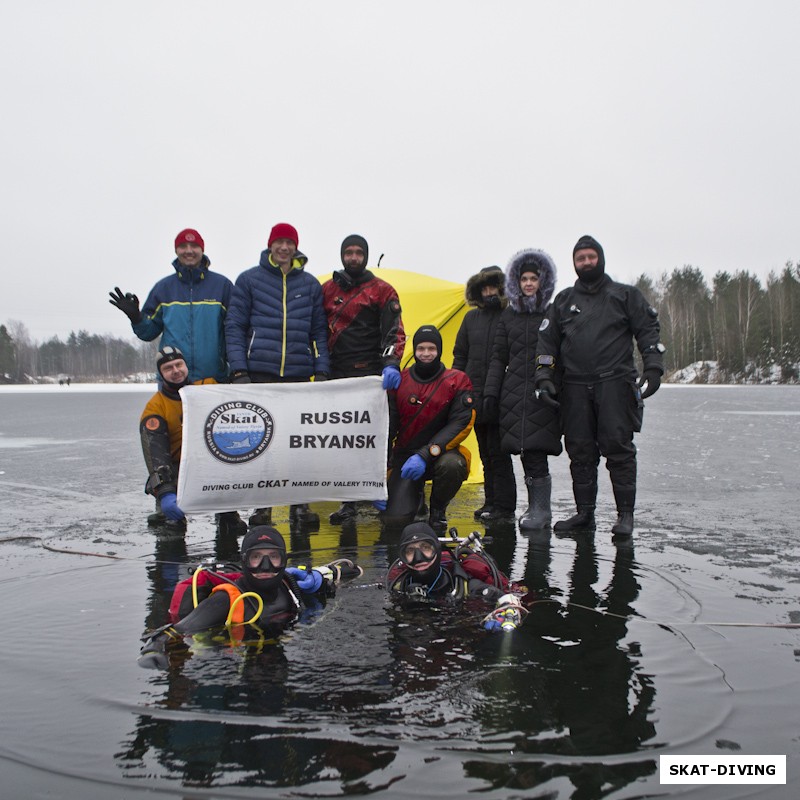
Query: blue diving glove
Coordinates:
[414,468]
[379,504]
[169,505]
[391,377]
[308,580]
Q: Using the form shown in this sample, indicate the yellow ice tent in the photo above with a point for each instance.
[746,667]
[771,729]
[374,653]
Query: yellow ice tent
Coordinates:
[431,301]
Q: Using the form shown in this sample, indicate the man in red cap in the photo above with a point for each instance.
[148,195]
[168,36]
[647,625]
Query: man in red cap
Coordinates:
[276,329]
[187,309]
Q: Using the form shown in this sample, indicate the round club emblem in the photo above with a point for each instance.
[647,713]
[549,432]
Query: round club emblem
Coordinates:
[238,431]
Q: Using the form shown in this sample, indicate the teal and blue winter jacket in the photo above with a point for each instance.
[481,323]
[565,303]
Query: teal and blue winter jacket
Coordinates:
[188,310]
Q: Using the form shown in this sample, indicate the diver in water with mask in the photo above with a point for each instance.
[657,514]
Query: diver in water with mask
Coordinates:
[266,593]
[425,569]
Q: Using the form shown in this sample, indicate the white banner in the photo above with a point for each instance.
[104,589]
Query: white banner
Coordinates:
[271,444]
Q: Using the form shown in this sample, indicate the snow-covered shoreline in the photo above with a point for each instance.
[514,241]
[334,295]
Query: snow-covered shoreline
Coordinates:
[95,388]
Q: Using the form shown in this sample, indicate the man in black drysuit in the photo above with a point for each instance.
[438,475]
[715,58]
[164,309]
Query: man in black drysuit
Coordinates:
[587,337]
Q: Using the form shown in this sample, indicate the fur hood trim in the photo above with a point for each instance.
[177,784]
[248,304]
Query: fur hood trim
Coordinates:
[546,268]
[488,276]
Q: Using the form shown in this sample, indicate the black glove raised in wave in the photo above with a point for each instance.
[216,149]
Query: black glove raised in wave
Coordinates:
[127,303]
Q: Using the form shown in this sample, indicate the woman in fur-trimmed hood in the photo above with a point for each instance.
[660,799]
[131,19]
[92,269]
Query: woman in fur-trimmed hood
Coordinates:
[527,425]
[485,292]
[543,266]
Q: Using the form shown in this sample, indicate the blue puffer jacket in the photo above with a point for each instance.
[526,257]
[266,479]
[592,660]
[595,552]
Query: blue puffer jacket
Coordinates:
[188,310]
[276,323]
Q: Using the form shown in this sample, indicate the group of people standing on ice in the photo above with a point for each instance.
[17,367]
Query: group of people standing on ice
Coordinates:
[550,367]
[527,369]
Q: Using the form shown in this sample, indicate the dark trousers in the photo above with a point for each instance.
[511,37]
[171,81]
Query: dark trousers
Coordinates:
[446,473]
[600,419]
[534,464]
[499,488]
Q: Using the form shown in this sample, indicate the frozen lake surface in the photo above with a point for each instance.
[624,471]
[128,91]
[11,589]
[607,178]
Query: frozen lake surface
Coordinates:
[632,658]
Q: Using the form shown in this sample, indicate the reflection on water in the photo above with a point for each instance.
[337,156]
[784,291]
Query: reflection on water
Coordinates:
[576,689]
[332,708]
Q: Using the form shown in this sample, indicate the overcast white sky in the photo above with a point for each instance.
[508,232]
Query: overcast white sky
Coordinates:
[450,134]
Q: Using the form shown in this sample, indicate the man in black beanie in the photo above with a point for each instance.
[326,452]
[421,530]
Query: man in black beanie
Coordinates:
[431,413]
[587,338]
[365,328]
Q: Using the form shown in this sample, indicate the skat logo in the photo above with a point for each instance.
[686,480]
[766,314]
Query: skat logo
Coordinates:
[237,432]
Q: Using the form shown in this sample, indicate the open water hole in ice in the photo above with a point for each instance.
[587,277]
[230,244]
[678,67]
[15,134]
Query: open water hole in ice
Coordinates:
[618,664]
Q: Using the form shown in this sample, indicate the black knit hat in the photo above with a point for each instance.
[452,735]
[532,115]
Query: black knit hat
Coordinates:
[262,536]
[428,333]
[587,242]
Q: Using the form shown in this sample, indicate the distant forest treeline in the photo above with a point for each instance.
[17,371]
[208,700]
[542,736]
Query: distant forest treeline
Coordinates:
[751,333]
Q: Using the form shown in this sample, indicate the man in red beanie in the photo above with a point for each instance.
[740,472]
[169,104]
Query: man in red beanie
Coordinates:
[276,329]
[187,309]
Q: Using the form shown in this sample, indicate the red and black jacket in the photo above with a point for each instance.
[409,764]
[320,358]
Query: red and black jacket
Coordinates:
[365,327]
[437,411]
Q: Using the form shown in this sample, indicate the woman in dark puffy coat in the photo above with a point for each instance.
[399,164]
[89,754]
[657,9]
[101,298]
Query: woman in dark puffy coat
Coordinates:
[472,352]
[528,426]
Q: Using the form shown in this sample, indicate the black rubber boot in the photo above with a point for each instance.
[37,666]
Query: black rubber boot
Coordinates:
[158,517]
[497,514]
[582,522]
[261,516]
[537,515]
[301,514]
[623,527]
[345,512]
[625,497]
[479,512]
[231,523]
[438,518]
